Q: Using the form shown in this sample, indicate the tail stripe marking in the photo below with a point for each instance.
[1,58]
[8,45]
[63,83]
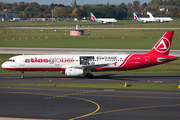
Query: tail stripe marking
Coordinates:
[125,61]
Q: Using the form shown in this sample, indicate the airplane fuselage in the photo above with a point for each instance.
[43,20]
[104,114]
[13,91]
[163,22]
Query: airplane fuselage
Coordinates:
[74,65]
[159,19]
[146,20]
[163,19]
[102,20]
[61,62]
[106,20]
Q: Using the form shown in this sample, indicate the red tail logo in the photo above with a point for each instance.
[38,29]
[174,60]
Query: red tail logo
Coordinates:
[163,45]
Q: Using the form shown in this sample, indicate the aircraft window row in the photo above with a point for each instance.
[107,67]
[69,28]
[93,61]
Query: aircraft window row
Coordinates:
[11,60]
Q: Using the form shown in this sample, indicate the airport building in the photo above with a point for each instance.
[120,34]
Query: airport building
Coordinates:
[8,16]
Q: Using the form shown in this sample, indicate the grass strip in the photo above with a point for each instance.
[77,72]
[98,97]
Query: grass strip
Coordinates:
[105,86]
[96,39]
[119,24]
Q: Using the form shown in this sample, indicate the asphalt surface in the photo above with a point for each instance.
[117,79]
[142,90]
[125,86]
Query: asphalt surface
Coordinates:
[98,78]
[88,104]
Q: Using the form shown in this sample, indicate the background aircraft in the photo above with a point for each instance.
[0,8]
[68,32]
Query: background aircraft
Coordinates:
[159,19]
[75,65]
[144,20]
[103,20]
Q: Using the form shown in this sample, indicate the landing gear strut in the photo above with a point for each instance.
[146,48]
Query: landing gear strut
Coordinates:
[22,75]
[89,75]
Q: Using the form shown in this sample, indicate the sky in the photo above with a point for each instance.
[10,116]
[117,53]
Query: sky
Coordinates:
[79,2]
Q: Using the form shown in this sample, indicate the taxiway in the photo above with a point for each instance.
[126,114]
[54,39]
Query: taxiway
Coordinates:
[53,103]
[87,104]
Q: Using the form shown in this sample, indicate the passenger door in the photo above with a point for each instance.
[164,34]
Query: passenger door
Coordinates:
[147,60]
[22,61]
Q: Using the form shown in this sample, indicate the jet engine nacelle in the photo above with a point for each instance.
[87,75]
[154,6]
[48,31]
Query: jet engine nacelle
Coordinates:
[104,22]
[73,72]
[161,21]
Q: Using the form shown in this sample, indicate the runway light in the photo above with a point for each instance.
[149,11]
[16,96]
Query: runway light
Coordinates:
[179,86]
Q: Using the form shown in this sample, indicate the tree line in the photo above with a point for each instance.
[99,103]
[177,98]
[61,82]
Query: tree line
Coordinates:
[121,11]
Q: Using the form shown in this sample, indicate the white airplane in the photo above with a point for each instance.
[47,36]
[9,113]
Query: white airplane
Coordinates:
[144,20]
[75,65]
[103,20]
[160,19]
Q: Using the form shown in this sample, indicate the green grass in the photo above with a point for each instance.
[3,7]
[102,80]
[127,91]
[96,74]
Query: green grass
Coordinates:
[121,23]
[105,85]
[100,39]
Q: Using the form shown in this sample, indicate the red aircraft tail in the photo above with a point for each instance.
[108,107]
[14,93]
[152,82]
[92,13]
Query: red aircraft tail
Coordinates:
[163,46]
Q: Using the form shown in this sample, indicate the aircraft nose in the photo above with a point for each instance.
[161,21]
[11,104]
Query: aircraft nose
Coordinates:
[3,65]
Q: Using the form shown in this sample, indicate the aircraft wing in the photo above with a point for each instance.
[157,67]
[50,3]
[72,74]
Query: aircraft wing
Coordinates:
[90,66]
[151,20]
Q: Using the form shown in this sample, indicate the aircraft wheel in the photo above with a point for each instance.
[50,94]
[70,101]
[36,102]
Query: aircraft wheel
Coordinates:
[91,76]
[22,77]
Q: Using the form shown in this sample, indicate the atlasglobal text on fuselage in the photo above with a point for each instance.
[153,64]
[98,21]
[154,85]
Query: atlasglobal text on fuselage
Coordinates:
[76,65]
[49,60]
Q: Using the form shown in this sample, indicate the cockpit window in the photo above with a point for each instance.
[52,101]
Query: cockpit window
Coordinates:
[11,60]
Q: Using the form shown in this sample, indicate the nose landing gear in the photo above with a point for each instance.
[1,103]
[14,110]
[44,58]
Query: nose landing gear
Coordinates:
[22,75]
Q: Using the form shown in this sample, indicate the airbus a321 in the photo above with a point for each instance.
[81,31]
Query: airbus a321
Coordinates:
[76,65]
[103,20]
[143,19]
[159,19]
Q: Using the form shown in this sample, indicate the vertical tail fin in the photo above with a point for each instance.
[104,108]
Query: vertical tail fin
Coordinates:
[135,17]
[163,46]
[93,17]
[150,15]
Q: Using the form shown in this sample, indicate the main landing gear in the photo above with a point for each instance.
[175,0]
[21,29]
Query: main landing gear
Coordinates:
[22,75]
[90,76]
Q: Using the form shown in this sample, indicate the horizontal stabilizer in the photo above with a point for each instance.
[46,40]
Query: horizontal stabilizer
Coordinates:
[163,59]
